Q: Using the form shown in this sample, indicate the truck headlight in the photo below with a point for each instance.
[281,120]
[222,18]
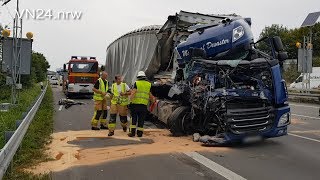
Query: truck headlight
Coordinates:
[284,119]
[237,33]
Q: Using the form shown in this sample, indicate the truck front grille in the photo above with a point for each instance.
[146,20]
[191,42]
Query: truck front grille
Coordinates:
[250,120]
[83,80]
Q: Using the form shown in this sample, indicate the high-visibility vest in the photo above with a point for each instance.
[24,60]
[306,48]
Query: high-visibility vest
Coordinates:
[102,88]
[116,98]
[143,92]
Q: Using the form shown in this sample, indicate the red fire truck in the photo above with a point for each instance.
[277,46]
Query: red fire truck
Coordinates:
[80,75]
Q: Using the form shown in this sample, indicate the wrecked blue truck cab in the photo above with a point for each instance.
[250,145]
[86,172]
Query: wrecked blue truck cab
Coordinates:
[273,124]
[208,74]
[228,87]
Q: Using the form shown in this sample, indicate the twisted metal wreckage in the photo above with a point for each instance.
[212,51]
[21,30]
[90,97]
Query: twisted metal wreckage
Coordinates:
[208,75]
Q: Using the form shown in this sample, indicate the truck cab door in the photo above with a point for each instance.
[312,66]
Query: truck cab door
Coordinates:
[280,88]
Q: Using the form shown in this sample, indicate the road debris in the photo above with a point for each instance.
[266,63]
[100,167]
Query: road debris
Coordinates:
[59,155]
[207,140]
[68,103]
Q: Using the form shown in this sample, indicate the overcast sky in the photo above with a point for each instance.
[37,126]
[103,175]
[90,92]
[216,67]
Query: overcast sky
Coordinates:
[103,21]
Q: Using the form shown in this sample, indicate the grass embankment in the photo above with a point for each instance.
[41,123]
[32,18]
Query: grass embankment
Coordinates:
[32,150]
[8,119]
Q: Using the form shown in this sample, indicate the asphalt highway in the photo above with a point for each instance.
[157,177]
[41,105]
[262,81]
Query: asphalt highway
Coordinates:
[295,156]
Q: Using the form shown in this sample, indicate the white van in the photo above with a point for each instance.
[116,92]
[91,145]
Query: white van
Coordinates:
[301,81]
[54,80]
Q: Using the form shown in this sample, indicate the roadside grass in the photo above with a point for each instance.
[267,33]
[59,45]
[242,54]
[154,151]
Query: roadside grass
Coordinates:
[8,119]
[5,92]
[32,150]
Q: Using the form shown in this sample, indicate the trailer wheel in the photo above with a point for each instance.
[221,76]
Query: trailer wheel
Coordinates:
[179,121]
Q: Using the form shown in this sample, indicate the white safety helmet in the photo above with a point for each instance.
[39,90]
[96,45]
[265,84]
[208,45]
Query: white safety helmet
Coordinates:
[141,74]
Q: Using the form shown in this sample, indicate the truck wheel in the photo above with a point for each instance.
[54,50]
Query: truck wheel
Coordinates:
[179,121]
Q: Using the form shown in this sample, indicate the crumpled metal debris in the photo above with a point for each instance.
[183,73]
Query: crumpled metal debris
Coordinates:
[68,103]
[196,137]
[209,140]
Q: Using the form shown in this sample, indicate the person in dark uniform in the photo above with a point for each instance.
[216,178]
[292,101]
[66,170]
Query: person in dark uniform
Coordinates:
[141,94]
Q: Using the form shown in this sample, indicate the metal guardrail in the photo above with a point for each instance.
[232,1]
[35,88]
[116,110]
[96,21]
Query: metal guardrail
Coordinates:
[304,94]
[9,150]
[312,91]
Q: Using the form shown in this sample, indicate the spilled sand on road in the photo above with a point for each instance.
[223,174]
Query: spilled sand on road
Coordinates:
[68,151]
[297,121]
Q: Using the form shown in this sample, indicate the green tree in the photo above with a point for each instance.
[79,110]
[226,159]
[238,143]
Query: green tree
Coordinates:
[38,69]
[290,37]
[271,31]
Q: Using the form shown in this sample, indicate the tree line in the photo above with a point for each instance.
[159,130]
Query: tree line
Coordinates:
[289,38]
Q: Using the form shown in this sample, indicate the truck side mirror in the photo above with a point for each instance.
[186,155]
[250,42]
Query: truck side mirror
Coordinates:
[64,67]
[277,43]
[282,56]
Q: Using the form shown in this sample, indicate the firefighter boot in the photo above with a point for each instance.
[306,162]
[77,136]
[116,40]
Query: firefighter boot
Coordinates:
[112,124]
[95,128]
[132,132]
[111,133]
[139,133]
[103,127]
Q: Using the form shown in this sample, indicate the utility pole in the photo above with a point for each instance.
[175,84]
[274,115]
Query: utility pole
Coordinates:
[16,54]
[305,52]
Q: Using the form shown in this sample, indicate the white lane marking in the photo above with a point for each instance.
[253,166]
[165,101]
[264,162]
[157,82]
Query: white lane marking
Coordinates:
[305,116]
[307,106]
[228,174]
[60,108]
[311,139]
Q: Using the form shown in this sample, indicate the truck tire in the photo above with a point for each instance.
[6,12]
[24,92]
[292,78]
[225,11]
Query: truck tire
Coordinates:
[176,121]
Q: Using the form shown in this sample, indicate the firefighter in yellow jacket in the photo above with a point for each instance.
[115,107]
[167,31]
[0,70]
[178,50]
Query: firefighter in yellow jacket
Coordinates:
[141,94]
[100,95]
[119,104]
